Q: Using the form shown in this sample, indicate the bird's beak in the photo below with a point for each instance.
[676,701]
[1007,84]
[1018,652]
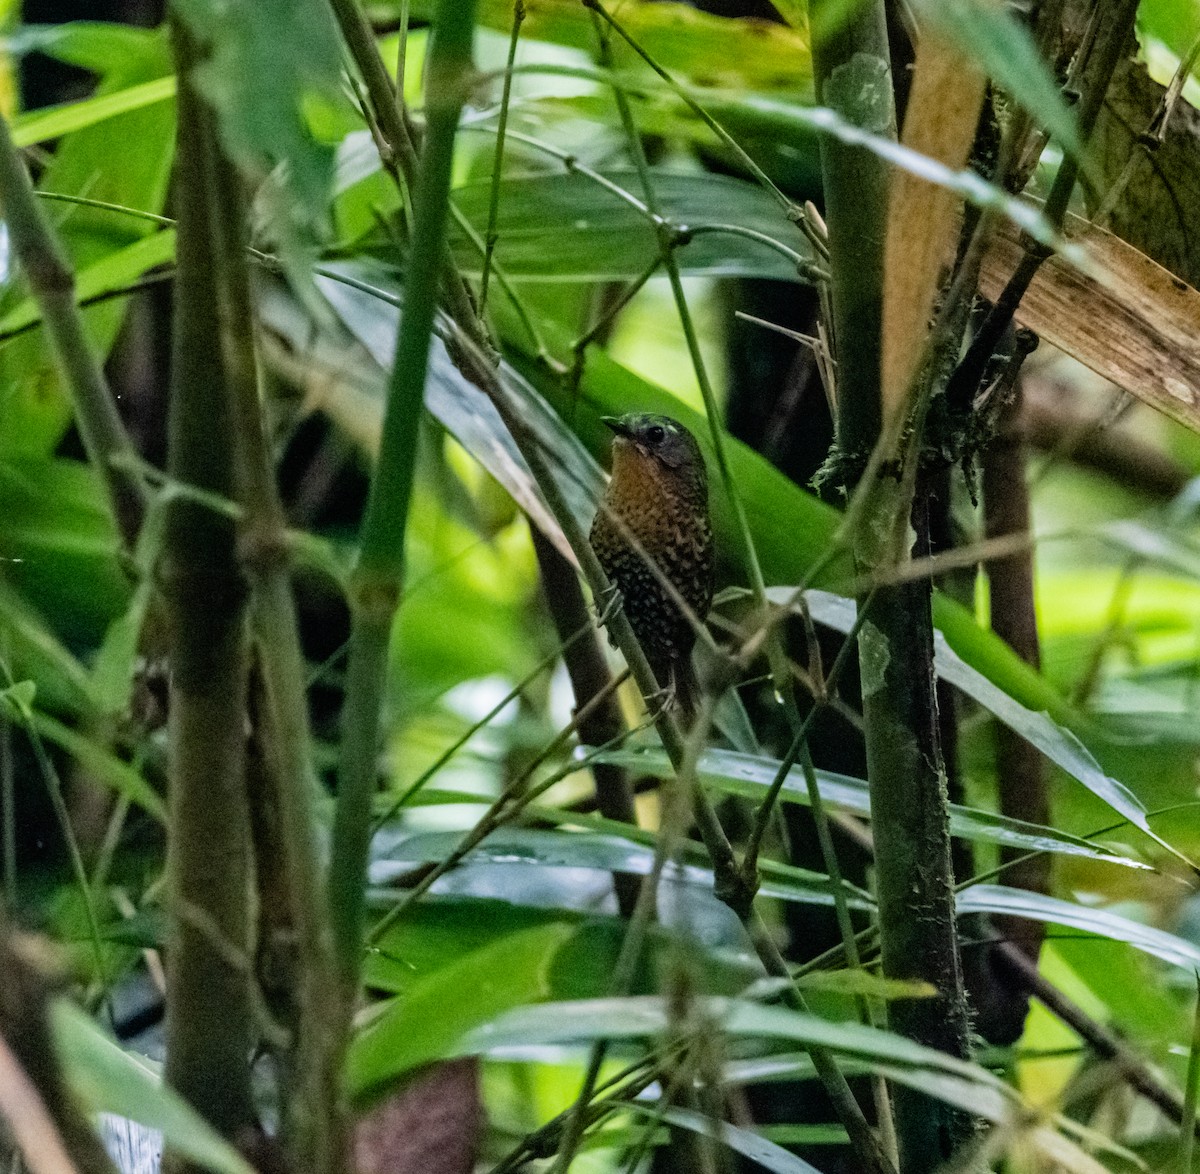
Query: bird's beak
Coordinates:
[615,424]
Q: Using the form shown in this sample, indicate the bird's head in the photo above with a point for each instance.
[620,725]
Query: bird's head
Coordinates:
[657,438]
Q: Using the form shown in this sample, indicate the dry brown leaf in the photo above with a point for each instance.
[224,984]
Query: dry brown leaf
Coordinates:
[1138,327]
[923,218]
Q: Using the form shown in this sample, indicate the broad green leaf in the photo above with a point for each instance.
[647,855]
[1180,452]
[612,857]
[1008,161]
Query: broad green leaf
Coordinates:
[568,228]
[17,699]
[110,1080]
[98,46]
[585,1020]
[93,160]
[440,930]
[56,121]
[460,406]
[757,114]
[58,545]
[1174,22]
[31,650]
[752,775]
[1039,907]
[695,46]
[617,848]
[430,1019]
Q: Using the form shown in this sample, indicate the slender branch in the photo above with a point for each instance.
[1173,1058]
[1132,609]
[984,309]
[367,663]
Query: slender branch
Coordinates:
[491,236]
[1020,770]
[1017,968]
[52,283]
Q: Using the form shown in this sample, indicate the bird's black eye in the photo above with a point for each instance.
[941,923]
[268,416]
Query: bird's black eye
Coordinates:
[655,434]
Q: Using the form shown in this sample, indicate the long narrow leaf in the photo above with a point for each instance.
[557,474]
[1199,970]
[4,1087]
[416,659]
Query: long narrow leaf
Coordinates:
[1056,742]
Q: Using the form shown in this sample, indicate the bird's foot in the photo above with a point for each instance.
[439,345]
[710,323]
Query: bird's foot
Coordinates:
[607,603]
[665,700]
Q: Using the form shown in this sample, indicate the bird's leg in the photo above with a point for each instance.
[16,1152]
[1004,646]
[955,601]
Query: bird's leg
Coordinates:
[607,603]
[666,698]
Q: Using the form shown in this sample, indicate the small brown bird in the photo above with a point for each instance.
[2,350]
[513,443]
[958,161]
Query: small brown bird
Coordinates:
[655,510]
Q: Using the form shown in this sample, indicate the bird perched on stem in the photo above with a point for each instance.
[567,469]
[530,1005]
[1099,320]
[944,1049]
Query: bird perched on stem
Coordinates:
[653,525]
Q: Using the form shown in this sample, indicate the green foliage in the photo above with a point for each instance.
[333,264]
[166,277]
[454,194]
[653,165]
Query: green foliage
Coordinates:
[272,67]
[514,956]
[111,1080]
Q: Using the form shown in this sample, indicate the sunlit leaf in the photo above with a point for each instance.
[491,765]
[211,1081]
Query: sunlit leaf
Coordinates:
[433,1015]
[60,120]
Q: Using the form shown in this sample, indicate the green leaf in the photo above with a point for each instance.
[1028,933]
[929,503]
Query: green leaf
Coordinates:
[614,847]
[114,272]
[33,651]
[585,1020]
[58,547]
[1058,744]
[705,49]
[458,404]
[110,1080]
[1039,907]
[95,45]
[430,1019]
[102,765]
[94,160]
[743,1141]
[565,227]
[17,698]
[752,775]
[268,64]
[56,121]
[439,930]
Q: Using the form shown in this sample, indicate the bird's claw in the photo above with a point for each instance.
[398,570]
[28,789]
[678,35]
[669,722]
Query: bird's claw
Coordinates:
[664,701]
[607,603]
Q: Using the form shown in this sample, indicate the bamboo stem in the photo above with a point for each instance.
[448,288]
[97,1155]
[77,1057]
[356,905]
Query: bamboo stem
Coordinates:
[315,1128]
[52,282]
[378,577]
[208,996]
[909,815]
